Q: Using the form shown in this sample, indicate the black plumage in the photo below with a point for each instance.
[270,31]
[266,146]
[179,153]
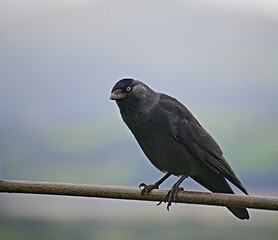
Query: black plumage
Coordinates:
[174,141]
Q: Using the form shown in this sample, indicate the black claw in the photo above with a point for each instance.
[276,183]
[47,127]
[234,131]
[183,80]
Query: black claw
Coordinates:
[147,188]
[171,196]
[142,185]
[159,203]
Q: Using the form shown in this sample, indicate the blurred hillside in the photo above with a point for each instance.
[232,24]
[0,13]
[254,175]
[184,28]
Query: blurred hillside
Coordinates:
[60,59]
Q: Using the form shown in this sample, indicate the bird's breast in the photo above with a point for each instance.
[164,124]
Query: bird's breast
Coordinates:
[162,149]
[153,133]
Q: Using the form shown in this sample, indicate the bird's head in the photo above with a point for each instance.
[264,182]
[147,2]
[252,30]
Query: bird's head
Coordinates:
[126,88]
[133,96]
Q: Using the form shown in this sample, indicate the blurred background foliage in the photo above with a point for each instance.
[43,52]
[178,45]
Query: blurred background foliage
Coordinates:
[59,61]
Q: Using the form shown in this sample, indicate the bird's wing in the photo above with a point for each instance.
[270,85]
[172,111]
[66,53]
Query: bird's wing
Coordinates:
[187,131]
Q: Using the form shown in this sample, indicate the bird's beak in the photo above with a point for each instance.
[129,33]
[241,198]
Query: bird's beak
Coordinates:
[117,95]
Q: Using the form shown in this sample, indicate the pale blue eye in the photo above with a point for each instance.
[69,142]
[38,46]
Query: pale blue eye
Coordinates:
[128,89]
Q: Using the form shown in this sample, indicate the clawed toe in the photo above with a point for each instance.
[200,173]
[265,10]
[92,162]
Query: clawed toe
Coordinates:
[146,189]
[171,196]
[142,185]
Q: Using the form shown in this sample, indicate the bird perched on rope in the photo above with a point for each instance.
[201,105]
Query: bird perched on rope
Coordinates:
[174,141]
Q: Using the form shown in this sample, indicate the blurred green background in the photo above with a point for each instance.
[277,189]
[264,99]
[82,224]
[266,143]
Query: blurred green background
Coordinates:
[58,63]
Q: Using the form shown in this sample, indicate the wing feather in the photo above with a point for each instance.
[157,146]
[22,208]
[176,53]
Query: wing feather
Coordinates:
[188,131]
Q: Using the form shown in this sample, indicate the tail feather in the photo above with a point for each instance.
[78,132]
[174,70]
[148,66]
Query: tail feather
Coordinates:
[241,213]
[216,183]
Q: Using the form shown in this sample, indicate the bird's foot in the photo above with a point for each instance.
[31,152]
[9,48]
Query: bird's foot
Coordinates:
[146,189]
[171,196]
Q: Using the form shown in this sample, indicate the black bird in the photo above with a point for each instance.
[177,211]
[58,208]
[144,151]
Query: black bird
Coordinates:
[174,141]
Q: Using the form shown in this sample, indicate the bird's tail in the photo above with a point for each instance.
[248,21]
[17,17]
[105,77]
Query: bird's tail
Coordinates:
[216,183]
[241,213]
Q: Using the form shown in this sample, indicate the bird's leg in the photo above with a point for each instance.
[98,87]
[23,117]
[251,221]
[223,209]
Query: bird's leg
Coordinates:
[147,188]
[172,194]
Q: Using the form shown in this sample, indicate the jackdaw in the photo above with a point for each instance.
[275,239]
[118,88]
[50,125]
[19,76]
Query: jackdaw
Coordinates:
[174,141]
